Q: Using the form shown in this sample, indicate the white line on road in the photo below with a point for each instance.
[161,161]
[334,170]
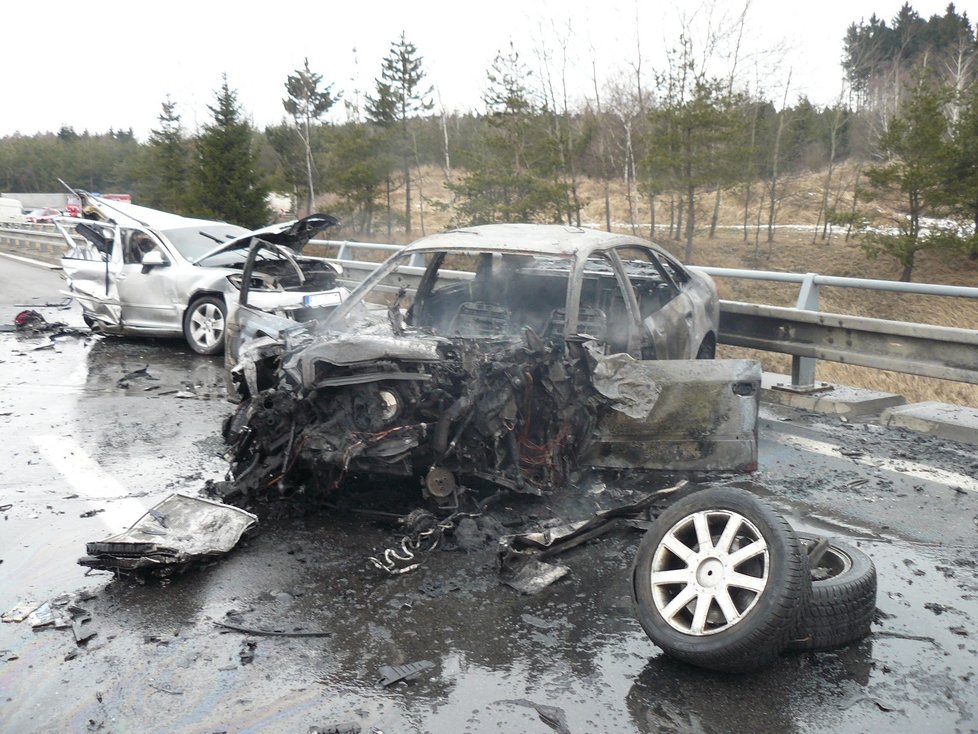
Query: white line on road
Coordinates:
[900,466]
[87,478]
[30,261]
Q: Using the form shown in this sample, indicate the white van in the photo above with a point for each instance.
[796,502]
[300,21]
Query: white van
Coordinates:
[11,210]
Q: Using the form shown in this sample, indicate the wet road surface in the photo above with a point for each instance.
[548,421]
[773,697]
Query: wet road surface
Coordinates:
[78,436]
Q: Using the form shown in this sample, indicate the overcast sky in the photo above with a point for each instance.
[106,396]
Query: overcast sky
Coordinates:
[96,66]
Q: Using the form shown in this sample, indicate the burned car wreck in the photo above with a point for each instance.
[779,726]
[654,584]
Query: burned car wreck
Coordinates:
[525,353]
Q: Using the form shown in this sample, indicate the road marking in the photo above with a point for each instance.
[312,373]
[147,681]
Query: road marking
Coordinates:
[30,261]
[87,478]
[899,466]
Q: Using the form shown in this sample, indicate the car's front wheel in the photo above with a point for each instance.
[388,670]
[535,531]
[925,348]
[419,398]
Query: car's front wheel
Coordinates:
[204,323]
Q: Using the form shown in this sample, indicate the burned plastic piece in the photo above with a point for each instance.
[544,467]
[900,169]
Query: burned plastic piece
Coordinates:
[390,674]
[178,531]
[82,626]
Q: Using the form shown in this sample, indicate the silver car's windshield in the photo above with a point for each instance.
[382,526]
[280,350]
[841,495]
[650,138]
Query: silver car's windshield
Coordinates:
[193,242]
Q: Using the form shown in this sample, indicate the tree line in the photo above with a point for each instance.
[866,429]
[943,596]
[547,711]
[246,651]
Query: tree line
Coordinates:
[676,140]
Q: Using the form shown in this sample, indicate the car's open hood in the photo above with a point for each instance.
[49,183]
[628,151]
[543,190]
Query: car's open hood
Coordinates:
[294,235]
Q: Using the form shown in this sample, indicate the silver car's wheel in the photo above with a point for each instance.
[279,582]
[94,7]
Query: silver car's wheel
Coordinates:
[203,325]
[720,580]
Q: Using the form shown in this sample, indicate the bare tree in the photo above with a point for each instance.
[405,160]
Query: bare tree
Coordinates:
[773,186]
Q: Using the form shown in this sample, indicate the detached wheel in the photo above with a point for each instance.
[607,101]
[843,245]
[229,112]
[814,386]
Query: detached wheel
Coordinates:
[843,595]
[720,580]
[203,325]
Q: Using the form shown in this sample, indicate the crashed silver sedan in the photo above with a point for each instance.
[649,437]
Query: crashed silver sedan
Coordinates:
[142,272]
[517,355]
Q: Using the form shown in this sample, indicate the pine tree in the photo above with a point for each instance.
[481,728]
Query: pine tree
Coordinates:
[399,96]
[226,184]
[163,183]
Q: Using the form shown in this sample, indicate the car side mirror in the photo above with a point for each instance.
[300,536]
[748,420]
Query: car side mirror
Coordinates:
[152,259]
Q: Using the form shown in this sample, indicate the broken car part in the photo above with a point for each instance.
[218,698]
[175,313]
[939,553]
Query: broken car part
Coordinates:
[721,580]
[178,531]
[391,674]
[843,600]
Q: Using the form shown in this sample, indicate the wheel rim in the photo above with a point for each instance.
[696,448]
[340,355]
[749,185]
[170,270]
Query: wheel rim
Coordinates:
[834,561]
[207,325]
[708,572]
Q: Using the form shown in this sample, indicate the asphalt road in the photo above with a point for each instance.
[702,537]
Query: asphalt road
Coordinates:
[77,436]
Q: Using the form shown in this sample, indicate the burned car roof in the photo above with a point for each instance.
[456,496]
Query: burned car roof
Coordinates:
[553,239]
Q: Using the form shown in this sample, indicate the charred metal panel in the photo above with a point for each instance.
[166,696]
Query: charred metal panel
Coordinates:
[683,415]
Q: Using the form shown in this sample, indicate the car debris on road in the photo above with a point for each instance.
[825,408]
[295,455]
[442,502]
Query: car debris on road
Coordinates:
[179,531]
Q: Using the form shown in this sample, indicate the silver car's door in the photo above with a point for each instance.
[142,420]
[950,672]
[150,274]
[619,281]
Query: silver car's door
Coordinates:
[147,293]
[91,266]
[677,415]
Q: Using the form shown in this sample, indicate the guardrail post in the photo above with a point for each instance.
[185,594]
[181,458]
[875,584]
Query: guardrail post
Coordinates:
[344,252]
[417,260]
[803,368]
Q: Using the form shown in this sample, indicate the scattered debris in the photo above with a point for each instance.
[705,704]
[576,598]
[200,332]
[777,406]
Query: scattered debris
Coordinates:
[141,374]
[247,653]
[176,533]
[165,690]
[92,513]
[532,576]
[273,632]
[20,612]
[344,727]
[391,674]
[552,716]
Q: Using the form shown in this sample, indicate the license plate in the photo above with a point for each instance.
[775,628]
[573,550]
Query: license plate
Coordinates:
[321,299]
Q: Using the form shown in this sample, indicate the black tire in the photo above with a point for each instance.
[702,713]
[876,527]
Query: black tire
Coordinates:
[204,324]
[843,598]
[760,614]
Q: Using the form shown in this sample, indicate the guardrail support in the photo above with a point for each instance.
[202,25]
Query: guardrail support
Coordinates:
[803,368]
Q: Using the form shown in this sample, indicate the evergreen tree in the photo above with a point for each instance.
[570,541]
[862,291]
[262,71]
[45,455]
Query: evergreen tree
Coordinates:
[163,183]
[226,184]
[513,178]
[915,143]
[399,96]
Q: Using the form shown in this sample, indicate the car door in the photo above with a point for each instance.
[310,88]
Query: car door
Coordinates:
[147,294]
[665,308]
[674,415]
[92,265]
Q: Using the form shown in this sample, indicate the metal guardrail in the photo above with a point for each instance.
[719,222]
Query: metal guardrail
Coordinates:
[804,332]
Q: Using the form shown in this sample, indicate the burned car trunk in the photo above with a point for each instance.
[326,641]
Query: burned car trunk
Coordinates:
[525,353]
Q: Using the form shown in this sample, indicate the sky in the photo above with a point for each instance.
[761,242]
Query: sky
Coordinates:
[96,66]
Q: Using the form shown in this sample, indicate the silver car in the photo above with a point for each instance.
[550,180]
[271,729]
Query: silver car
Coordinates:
[142,272]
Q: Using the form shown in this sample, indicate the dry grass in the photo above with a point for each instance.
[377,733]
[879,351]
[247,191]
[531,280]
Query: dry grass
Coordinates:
[792,251]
